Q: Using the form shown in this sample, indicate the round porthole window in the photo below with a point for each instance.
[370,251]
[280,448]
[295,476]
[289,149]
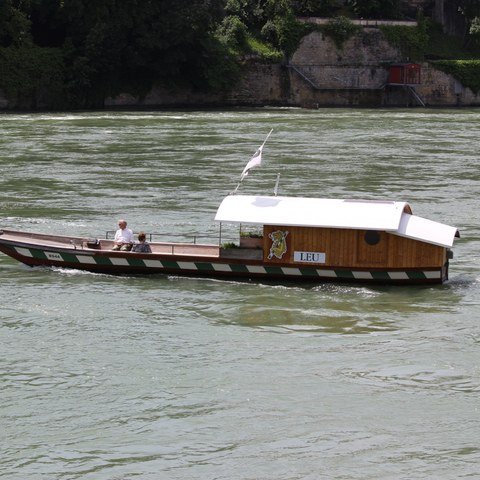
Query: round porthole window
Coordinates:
[372,237]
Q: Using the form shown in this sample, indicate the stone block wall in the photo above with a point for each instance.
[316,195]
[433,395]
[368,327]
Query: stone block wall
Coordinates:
[369,47]
[441,89]
[319,74]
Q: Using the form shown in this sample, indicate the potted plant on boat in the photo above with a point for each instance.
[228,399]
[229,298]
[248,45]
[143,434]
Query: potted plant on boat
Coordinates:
[251,239]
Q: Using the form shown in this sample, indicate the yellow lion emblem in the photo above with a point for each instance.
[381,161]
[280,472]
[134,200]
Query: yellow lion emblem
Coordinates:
[279,244]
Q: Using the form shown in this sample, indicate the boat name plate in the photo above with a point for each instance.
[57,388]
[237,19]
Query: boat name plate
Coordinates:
[309,257]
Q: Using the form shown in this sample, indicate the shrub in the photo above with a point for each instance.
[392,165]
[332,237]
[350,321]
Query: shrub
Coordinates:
[290,32]
[340,29]
[263,50]
[28,73]
[247,234]
[227,245]
[233,32]
[412,41]
[466,71]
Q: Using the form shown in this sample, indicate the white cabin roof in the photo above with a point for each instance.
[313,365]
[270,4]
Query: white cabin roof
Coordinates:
[311,212]
[334,213]
[425,230]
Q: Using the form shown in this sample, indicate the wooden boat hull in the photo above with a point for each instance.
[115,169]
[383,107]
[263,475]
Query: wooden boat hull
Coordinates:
[196,260]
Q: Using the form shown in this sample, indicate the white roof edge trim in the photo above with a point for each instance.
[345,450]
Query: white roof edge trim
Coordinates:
[425,230]
[312,212]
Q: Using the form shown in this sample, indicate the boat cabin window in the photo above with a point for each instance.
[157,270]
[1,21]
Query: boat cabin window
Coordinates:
[372,237]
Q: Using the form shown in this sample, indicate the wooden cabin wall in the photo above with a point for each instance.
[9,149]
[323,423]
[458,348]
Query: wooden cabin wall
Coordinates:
[348,248]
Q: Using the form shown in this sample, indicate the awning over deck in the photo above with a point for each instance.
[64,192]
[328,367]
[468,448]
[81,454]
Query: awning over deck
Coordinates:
[388,216]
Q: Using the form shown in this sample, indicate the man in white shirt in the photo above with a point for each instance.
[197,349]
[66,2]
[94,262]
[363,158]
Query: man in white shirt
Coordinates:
[123,237]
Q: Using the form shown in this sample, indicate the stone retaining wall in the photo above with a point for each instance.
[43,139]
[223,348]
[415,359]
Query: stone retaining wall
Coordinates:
[319,74]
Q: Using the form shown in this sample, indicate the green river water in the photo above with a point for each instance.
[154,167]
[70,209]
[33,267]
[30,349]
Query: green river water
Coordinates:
[123,378]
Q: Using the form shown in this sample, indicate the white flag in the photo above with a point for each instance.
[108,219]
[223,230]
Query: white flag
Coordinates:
[255,161]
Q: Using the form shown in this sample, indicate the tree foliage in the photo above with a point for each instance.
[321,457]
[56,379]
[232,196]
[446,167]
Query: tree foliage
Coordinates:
[315,8]
[32,76]
[90,49]
[411,41]
[14,24]
[375,9]
[466,71]
[107,44]
[340,29]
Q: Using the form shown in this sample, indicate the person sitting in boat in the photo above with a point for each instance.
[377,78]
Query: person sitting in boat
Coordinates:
[123,237]
[142,245]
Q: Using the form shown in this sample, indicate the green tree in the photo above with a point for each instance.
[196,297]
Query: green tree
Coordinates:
[340,29]
[233,32]
[316,8]
[112,43]
[471,11]
[14,24]
[375,9]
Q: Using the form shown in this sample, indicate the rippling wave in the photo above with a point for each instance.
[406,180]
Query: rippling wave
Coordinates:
[165,377]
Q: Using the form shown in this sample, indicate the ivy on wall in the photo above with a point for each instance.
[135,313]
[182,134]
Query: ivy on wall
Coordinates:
[27,73]
[412,41]
[466,71]
[340,29]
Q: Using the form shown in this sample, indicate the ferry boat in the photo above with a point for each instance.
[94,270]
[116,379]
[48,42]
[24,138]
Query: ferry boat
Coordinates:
[312,239]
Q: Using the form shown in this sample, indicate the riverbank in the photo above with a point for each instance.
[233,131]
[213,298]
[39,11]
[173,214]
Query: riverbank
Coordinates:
[320,73]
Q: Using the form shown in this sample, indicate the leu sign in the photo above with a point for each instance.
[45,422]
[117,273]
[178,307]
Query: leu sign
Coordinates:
[309,257]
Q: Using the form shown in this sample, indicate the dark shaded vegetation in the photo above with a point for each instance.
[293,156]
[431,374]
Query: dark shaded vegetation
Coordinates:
[466,71]
[74,53]
[456,56]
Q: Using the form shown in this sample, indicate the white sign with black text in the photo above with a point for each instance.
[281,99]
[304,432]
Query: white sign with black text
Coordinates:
[309,257]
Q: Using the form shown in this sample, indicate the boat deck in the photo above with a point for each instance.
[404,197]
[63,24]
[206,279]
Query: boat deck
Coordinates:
[81,243]
[197,250]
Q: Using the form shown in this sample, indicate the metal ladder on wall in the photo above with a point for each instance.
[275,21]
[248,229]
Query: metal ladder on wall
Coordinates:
[308,80]
[415,95]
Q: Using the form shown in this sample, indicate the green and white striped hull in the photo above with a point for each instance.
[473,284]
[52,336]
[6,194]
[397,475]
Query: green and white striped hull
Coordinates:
[128,263]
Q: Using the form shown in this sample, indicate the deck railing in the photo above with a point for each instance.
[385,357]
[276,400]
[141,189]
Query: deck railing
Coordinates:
[216,235]
[224,233]
[183,238]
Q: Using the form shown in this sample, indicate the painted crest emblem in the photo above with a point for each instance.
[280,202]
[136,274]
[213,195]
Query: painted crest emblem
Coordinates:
[279,244]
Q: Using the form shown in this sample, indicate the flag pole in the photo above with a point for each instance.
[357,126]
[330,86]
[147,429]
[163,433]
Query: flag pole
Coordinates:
[275,190]
[253,162]
[267,137]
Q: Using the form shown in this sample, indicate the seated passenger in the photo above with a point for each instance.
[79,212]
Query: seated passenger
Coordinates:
[142,245]
[123,237]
